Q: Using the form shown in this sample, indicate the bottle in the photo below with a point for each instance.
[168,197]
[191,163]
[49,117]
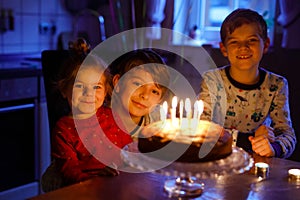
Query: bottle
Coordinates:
[11,20]
[3,21]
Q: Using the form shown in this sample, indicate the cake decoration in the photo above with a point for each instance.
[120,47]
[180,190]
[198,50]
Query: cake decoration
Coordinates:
[185,139]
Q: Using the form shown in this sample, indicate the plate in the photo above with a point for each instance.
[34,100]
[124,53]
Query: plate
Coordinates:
[239,161]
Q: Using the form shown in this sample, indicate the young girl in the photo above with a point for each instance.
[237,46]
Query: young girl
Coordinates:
[140,80]
[86,142]
[253,100]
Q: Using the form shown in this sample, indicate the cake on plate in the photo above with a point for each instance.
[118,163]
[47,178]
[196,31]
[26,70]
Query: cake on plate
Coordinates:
[185,140]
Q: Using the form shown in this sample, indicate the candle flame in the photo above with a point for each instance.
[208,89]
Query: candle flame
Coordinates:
[181,110]
[200,107]
[165,107]
[187,105]
[181,104]
[174,102]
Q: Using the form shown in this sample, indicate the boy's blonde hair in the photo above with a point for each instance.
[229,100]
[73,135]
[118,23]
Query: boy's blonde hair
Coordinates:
[158,70]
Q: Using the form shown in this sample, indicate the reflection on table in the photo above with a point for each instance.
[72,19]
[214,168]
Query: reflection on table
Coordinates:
[151,185]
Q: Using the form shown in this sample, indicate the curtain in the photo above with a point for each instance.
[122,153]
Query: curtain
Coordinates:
[289,19]
[155,15]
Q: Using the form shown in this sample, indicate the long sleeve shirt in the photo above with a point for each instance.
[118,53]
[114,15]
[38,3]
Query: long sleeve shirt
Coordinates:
[81,147]
[246,107]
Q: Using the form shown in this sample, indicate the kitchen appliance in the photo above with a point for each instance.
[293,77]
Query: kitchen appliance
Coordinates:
[24,143]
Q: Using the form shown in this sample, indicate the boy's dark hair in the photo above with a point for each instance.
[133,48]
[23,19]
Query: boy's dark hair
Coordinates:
[134,58]
[242,16]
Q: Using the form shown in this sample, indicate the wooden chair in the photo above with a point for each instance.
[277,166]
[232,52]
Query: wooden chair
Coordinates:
[52,62]
[57,106]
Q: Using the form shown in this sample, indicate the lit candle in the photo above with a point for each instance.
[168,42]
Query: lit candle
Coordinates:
[174,102]
[188,108]
[200,108]
[162,113]
[261,170]
[294,174]
[181,109]
[165,108]
[173,110]
[195,116]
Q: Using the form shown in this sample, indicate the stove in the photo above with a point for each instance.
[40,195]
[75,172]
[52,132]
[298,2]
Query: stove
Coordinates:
[25,139]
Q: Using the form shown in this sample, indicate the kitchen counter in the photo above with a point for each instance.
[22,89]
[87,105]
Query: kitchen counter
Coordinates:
[19,73]
[17,66]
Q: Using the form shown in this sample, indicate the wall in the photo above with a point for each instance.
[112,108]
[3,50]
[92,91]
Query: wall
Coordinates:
[28,15]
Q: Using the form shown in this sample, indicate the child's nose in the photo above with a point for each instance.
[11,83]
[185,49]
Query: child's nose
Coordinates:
[244,44]
[88,91]
[144,92]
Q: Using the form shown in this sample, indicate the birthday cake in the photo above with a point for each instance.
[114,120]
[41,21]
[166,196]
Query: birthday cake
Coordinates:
[185,140]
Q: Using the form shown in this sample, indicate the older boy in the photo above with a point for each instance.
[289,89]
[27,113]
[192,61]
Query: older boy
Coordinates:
[256,100]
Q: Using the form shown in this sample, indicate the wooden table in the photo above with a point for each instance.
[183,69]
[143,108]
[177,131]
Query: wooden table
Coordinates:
[151,186]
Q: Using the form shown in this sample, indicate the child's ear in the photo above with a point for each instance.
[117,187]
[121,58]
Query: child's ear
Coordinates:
[266,45]
[223,49]
[115,81]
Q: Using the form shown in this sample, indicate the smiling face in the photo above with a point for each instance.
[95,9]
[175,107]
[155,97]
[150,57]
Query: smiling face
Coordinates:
[88,93]
[244,47]
[138,93]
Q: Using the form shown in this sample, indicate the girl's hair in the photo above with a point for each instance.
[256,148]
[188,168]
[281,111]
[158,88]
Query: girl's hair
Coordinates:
[140,57]
[240,17]
[80,58]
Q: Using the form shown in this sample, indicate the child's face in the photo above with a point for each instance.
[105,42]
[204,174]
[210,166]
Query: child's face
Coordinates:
[139,94]
[244,47]
[88,93]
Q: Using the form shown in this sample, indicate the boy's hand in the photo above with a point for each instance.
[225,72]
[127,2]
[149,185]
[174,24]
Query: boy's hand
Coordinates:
[261,142]
[267,131]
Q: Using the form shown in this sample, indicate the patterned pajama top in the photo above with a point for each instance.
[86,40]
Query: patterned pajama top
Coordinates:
[246,107]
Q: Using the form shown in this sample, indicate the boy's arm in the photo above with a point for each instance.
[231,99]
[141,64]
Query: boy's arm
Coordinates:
[282,124]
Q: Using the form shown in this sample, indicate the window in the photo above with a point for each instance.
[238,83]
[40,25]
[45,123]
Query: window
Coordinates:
[201,19]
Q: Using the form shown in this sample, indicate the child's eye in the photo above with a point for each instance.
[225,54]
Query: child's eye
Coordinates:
[97,87]
[253,40]
[156,92]
[232,42]
[136,83]
[78,85]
